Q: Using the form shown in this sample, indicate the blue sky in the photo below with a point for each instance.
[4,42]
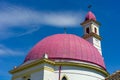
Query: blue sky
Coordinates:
[25,22]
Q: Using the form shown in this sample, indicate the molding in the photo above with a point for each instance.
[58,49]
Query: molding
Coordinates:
[29,65]
[85,22]
[41,61]
[48,69]
[33,71]
[25,74]
[85,66]
[92,34]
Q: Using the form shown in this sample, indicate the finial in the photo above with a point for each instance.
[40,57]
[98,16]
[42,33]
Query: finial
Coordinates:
[65,30]
[45,56]
[15,67]
[89,7]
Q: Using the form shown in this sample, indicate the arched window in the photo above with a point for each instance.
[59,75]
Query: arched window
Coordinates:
[95,30]
[64,78]
[87,30]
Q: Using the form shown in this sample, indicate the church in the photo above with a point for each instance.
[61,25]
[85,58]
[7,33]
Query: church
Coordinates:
[66,56]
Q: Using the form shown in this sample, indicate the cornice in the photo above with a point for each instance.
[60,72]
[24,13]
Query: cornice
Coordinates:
[92,34]
[38,62]
[85,22]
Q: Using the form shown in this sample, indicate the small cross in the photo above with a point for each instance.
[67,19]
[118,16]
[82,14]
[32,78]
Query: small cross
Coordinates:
[64,29]
[89,7]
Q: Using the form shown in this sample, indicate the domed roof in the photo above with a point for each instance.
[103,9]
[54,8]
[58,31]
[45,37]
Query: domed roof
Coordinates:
[66,46]
[90,16]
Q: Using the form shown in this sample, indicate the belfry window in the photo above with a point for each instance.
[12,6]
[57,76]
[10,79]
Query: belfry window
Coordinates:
[64,78]
[87,30]
[95,30]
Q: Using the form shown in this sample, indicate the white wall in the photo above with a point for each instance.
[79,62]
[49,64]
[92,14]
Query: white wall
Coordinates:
[71,72]
[37,75]
[96,43]
[77,73]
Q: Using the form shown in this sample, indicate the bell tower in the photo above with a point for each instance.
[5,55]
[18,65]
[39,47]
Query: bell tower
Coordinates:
[91,30]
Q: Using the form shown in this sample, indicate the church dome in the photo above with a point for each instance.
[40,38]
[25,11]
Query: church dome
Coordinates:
[68,47]
[90,16]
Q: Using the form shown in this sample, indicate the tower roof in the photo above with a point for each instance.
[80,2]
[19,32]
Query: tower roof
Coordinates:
[90,16]
[68,47]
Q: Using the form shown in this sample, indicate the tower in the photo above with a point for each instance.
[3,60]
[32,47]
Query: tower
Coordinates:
[91,30]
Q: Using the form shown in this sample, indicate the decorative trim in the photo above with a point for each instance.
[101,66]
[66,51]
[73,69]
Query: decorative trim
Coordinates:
[85,22]
[29,72]
[29,65]
[38,62]
[92,34]
[83,65]
[48,69]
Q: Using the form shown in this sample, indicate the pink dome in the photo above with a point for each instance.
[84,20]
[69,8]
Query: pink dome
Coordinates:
[90,16]
[66,46]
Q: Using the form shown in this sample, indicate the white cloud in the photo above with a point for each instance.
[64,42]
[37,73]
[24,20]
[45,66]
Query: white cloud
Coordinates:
[61,19]
[9,52]
[13,16]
